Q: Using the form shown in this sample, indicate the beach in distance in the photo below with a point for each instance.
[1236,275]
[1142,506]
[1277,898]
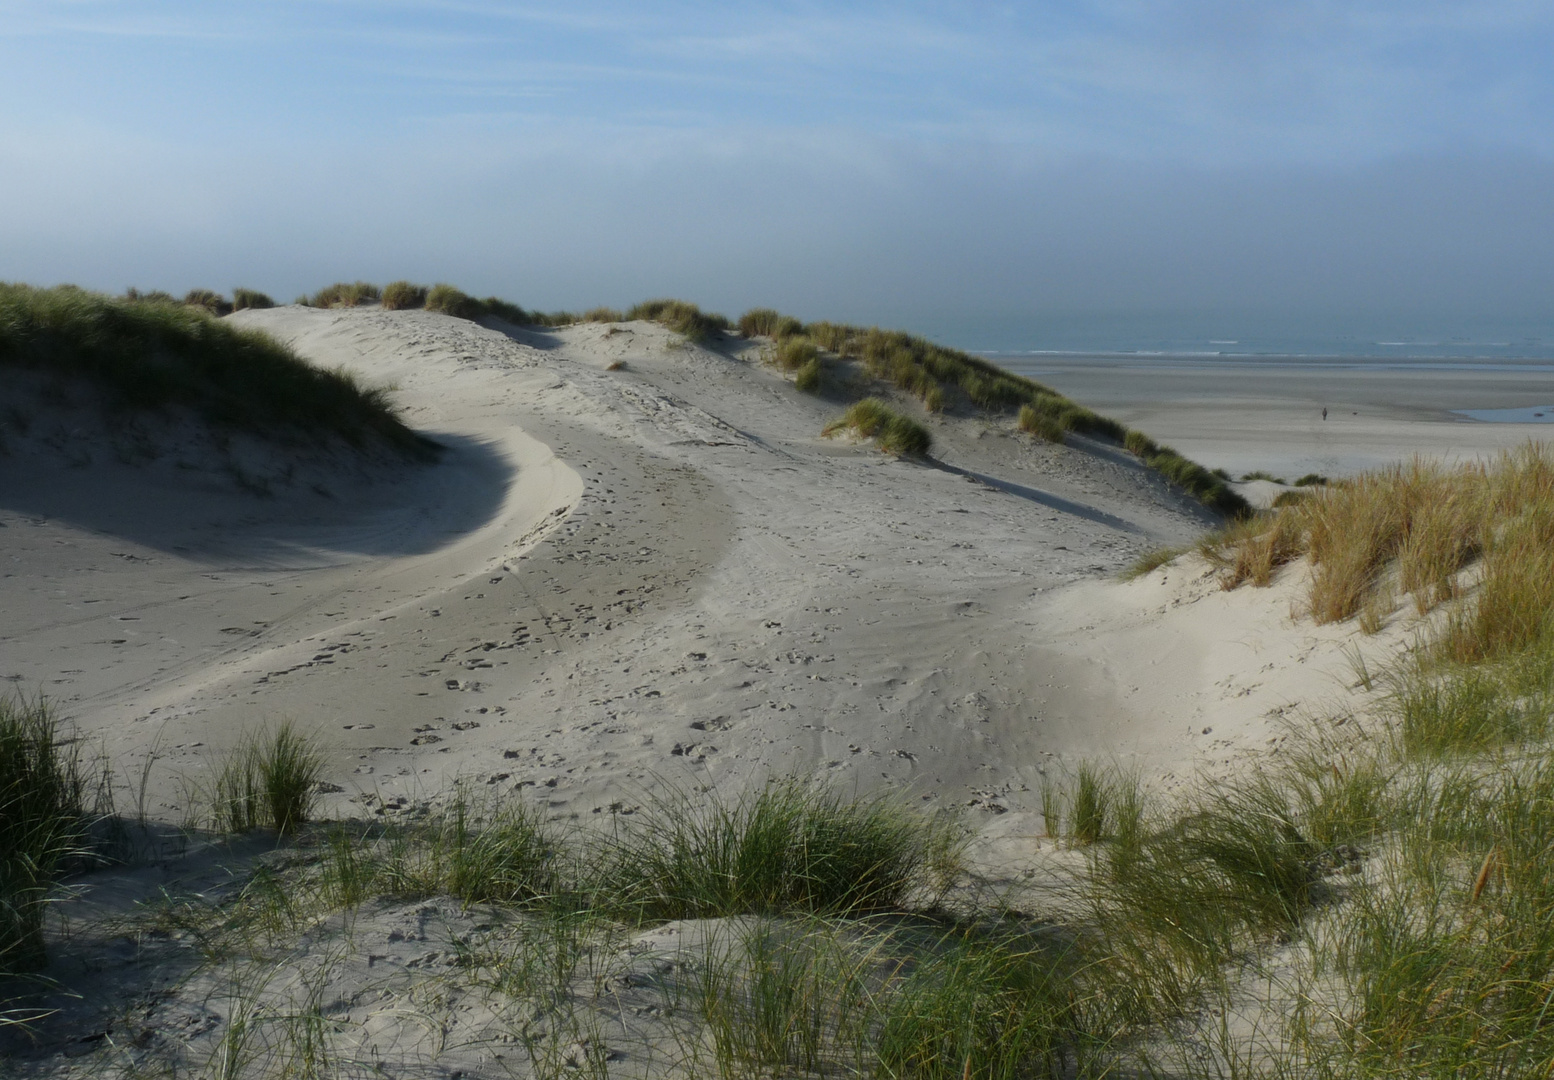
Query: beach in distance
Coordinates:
[1246,413]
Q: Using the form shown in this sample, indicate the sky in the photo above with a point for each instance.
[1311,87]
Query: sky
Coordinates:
[894,163]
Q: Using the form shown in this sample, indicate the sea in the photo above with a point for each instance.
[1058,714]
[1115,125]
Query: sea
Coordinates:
[1380,338]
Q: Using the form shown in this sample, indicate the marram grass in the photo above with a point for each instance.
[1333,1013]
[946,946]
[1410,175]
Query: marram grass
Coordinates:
[680,316]
[142,354]
[894,433]
[45,820]
[403,295]
[1417,527]
[345,294]
[269,780]
[788,845]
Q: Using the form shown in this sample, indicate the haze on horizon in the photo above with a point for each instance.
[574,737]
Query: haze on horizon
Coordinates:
[900,164]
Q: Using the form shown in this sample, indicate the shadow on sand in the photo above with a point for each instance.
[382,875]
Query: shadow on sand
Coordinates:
[407,509]
[1042,498]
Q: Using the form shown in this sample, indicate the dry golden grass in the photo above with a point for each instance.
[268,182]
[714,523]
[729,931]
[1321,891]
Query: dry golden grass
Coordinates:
[1252,549]
[793,353]
[1416,528]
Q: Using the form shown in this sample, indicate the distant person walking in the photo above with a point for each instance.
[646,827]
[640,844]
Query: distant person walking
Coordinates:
[1324,412]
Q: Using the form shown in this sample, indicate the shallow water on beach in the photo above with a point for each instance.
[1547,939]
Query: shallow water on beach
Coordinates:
[1537,414]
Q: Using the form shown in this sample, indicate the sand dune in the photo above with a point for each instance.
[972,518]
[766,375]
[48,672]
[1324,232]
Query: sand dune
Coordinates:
[615,576]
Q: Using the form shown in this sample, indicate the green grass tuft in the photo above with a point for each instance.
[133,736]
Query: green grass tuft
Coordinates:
[1090,811]
[133,295]
[456,302]
[808,377]
[403,296]
[792,353]
[1151,561]
[144,354]
[871,418]
[1174,899]
[984,1004]
[451,301]
[1041,424]
[243,299]
[681,317]
[43,825]
[787,846]
[345,294]
[764,322]
[267,781]
[208,300]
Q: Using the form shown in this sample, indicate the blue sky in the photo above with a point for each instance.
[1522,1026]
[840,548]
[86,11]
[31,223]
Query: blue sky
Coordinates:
[863,161]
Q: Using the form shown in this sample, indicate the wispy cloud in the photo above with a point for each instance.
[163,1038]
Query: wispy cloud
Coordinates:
[1195,79]
[1128,151]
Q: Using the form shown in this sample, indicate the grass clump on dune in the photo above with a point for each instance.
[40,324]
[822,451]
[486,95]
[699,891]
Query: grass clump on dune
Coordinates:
[345,294]
[787,846]
[135,296]
[937,375]
[483,851]
[808,376]
[792,353]
[1417,527]
[919,366]
[403,296]
[456,302]
[1202,484]
[1041,424]
[245,299]
[148,355]
[1448,958]
[453,301]
[799,354]
[1151,561]
[871,418]
[683,318]
[986,1004]
[44,825]
[208,299]
[268,781]
[765,322]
